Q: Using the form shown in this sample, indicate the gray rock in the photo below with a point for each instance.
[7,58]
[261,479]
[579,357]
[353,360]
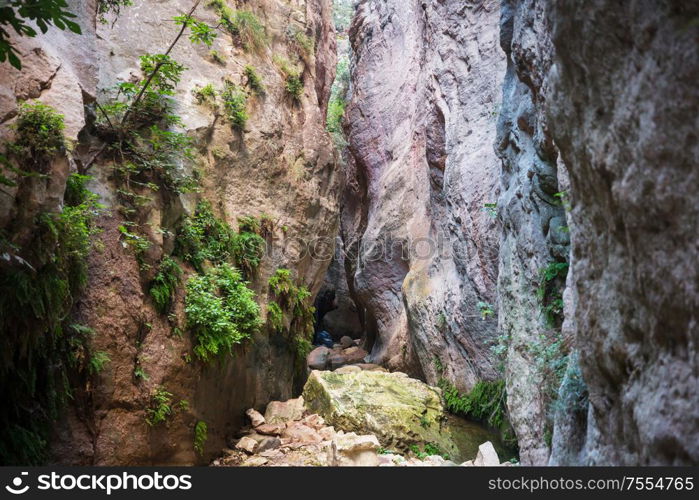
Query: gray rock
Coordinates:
[318,358]
[346,342]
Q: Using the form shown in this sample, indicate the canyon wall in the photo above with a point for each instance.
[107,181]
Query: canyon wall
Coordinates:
[625,106]
[426,86]
[617,115]
[281,165]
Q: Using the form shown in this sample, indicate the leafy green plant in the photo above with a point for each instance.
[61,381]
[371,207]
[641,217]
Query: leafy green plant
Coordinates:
[552,279]
[205,94]
[76,190]
[165,283]
[336,112]
[140,373]
[432,449]
[486,402]
[217,57]
[97,361]
[254,80]
[295,301]
[248,250]
[39,133]
[114,6]
[235,104]
[275,317]
[294,86]
[485,309]
[245,27]
[221,311]
[204,237]
[160,407]
[200,436]
[305,45]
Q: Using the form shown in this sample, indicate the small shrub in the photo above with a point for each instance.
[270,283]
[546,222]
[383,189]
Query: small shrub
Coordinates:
[200,436]
[160,407]
[217,57]
[254,80]
[305,45]
[204,237]
[39,133]
[221,311]
[248,224]
[552,280]
[164,286]
[282,285]
[235,104]
[248,250]
[205,94]
[76,190]
[336,112]
[246,27]
[294,86]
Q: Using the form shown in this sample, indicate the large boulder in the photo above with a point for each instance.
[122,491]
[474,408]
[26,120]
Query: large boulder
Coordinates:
[399,410]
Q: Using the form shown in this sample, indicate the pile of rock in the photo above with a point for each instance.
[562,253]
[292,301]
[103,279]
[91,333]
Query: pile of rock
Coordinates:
[346,353]
[289,435]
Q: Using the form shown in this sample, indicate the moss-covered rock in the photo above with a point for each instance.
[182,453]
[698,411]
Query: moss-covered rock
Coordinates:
[402,412]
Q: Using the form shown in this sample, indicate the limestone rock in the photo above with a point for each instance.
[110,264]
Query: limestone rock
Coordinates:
[399,410]
[348,369]
[353,450]
[256,419]
[278,412]
[487,456]
[424,134]
[247,444]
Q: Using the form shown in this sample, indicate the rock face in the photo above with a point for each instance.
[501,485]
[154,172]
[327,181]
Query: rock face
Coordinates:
[625,106]
[421,122]
[621,111]
[533,218]
[283,164]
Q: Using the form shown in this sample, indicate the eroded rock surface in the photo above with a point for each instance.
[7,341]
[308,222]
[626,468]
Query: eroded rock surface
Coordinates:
[421,123]
[283,164]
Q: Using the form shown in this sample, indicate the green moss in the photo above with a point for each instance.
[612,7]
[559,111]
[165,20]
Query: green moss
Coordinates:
[254,80]
[235,104]
[165,284]
[200,436]
[221,311]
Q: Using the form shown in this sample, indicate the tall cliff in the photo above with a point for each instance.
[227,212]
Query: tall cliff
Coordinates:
[422,247]
[593,277]
[252,109]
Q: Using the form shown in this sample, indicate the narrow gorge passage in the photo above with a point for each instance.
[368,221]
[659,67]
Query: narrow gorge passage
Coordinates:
[349,232]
